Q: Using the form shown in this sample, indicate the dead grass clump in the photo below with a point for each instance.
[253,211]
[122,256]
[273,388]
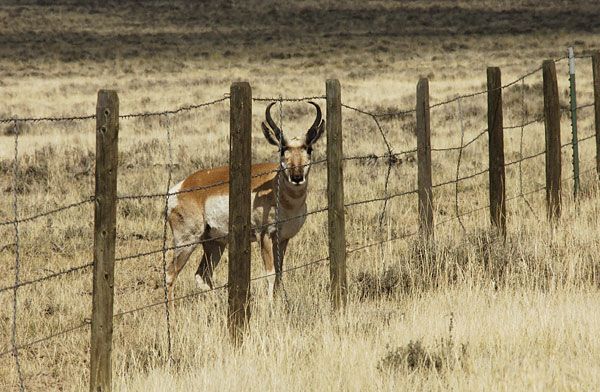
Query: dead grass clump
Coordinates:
[79,162]
[494,253]
[411,357]
[22,127]
[30,174]
[416,356]
[374,286]
[443,355]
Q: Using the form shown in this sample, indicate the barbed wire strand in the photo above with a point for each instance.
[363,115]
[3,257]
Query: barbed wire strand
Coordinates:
[46,277]
[288,99]
[13,338]
[377,157]
[371,114]
[460,151]
[164,239]
[567,110]
[462,147]
[176,110]
[525,124]
[50,212]
[129,115]
[465,178]
[63,332]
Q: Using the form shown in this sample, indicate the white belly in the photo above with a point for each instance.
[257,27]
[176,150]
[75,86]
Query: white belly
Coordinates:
[216,215]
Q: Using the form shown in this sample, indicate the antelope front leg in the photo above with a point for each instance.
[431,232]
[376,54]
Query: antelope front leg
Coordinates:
[278,257]
[266,251]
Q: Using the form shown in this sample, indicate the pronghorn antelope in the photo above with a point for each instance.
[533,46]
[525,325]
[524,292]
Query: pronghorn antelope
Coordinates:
[203,215]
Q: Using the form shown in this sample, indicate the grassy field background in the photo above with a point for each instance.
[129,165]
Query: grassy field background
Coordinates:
[476,314]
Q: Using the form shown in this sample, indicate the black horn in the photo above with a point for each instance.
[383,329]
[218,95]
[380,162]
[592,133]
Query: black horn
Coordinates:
[316,130]
[274,127]
[319,116]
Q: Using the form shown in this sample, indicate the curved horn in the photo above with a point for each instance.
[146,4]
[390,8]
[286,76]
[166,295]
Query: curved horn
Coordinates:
[319,115]
[272,124]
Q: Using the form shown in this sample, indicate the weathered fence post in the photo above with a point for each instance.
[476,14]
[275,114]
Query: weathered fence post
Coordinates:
[424,161]
[596,71]
[496,150]
[240,145]
[575,140]
[105,219]
[552,125]
[335,196]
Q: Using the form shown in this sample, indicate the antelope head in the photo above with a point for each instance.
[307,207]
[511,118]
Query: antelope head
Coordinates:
[295,154]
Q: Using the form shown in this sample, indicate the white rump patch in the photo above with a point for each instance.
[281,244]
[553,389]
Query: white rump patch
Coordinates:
[216,214]
[173,200]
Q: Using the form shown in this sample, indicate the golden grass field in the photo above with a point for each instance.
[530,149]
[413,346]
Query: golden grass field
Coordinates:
[475,314]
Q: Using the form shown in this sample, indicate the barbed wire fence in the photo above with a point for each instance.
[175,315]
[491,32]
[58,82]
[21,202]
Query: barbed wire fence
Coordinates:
[389,156]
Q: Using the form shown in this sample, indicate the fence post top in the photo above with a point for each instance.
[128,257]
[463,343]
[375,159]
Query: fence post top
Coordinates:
[493,69]
[107,92]
[548,63]
[423,85]
[240,85]
[334,82]
[107,95]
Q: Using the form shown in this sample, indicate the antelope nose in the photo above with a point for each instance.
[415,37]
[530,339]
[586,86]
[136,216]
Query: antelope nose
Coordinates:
[297,178]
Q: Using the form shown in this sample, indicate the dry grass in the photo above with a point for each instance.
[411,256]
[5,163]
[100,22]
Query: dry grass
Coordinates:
[472,313]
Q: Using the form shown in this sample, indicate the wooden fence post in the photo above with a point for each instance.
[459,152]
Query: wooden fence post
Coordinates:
[496,150]
[596,72]
[240,153]
[335,196]
[105,219]
[424,161]
[552,125]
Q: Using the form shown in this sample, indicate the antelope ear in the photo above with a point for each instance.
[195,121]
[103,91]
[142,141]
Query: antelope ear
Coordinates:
[314,134]
[269,135]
